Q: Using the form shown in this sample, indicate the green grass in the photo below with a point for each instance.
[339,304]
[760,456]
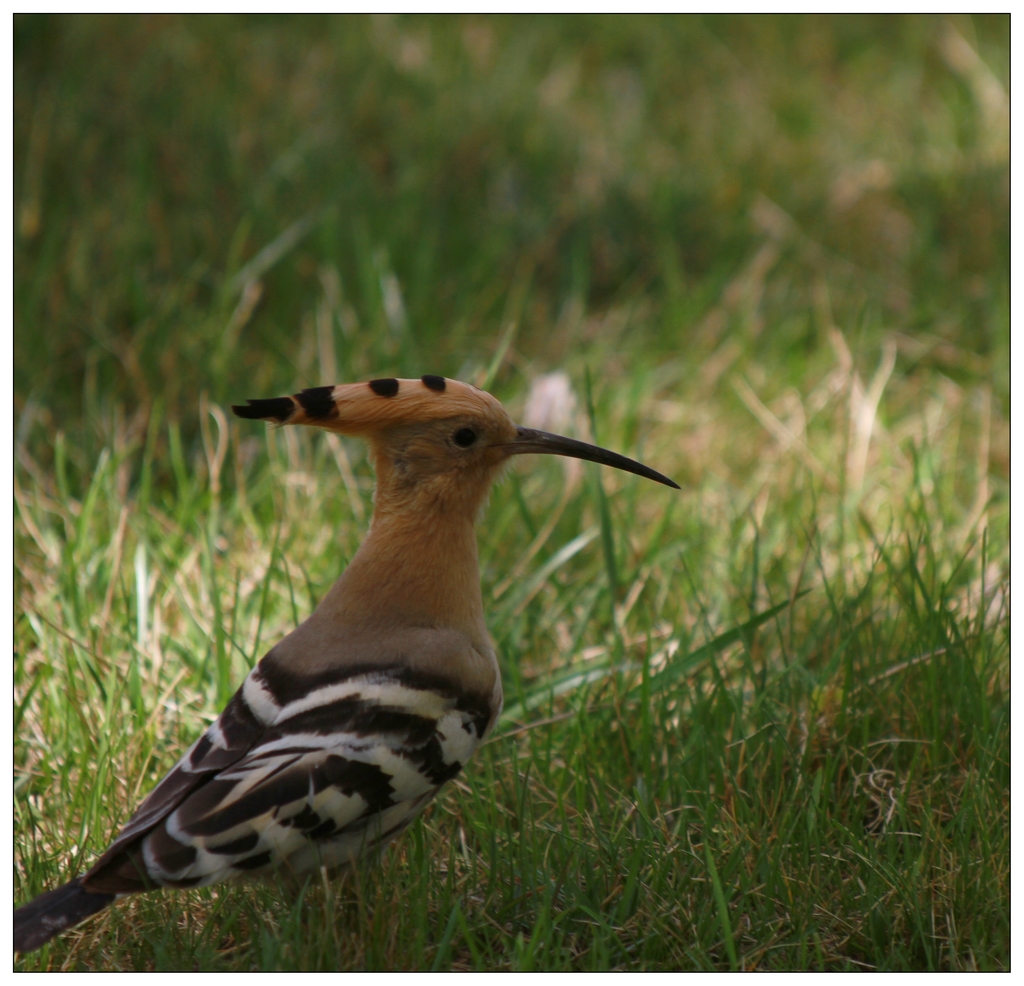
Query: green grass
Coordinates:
[762,723]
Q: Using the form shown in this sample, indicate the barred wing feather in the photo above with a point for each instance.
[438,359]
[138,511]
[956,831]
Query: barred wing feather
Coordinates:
[339,769]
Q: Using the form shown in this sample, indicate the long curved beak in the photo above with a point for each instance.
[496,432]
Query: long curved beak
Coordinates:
[532,440]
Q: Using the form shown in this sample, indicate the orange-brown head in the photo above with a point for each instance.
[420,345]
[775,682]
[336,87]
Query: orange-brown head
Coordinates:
[437,444]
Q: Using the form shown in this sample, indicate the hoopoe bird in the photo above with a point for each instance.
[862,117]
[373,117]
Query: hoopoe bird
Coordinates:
[350,725]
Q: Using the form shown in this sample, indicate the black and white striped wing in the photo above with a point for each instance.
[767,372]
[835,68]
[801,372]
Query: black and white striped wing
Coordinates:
[337,771]
[236,731]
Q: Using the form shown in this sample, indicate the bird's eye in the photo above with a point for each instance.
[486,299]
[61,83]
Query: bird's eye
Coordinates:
[464,437]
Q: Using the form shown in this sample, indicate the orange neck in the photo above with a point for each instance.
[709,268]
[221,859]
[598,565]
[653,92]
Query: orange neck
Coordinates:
[413,570]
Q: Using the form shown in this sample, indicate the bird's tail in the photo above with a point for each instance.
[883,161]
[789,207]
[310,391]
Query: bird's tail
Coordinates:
[36,922]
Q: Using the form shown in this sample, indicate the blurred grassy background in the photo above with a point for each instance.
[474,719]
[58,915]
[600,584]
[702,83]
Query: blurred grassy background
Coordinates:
[456,172]
[780,245]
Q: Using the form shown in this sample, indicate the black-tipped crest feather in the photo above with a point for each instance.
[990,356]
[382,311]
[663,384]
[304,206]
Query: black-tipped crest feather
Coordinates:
[278,408]
[318,403]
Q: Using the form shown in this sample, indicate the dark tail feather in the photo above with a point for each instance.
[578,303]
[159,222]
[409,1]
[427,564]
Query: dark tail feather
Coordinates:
[49,914]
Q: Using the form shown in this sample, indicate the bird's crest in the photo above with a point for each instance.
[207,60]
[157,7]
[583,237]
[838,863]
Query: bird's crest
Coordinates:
[357,408]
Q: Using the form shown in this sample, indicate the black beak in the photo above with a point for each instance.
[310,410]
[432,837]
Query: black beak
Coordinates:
[531,440]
